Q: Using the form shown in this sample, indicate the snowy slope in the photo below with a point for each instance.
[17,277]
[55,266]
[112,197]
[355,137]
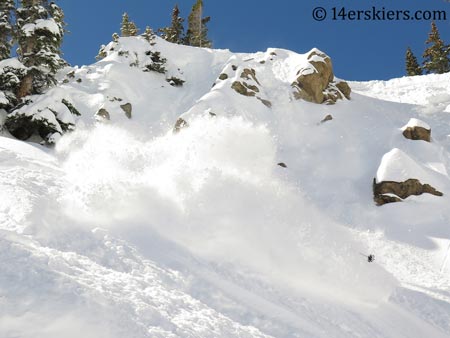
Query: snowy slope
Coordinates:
[126,229]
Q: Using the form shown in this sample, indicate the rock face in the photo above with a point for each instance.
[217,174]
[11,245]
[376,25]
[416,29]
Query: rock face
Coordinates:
[417,130]
[315,82]
[390,191]
[127,108]
[103,113]
[246,88]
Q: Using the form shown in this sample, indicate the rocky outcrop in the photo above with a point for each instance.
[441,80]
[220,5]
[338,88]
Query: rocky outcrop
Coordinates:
[127,108]
[103,113]
[316,83]
[417,130]
[242,88]
[391,191]
[247,88]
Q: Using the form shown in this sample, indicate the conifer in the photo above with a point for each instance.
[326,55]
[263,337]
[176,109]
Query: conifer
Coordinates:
[175,32]
[6,28]
[39,37]
[436,56]
[196,34]
[412,66]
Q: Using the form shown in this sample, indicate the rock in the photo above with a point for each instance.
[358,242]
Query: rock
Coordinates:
[417,130]
[79,80]
[282,164]
[384,199]
[251,87]
[327,118]
[248,74]
[391,191]
[344,88]
[241,89]
[223,76]
[417,133]
[262,62]
[234,67]
[267,103]
[180,124]
[315,82]
[127,108]
[103,113]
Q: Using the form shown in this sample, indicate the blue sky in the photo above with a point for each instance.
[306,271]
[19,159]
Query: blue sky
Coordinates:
[360,50]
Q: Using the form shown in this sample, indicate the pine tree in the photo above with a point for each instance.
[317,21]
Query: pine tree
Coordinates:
[125,26]
[175,32]
[204,41]
[149,35]
[196,34]
[6,28]
[436,56]
[133,29]
[39,37]
[412,66]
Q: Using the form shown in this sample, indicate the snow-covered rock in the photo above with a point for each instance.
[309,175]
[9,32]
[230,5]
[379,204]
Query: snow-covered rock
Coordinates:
[417,129]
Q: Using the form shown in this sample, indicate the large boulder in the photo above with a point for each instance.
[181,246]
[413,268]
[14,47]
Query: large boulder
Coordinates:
[417,130]
[316,83]
[391,191]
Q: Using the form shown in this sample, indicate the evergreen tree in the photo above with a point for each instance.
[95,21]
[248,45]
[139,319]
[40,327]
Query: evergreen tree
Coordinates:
[175,32]
[39,37]
[149,35]
[204,41]
[133,29]
[6,28]
[436,56]
[196,34]
[125,26]
[412,66]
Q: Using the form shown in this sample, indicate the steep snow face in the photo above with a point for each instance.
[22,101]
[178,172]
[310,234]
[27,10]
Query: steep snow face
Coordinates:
[126,229]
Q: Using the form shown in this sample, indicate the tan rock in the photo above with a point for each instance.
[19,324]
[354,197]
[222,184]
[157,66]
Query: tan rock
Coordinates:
[417,133]
[388,191]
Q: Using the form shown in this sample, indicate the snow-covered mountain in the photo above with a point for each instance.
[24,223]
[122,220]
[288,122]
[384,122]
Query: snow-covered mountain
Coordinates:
[207,208]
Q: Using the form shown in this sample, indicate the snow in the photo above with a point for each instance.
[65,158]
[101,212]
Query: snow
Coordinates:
[399,167]
[11,63]
[416,123]
[125,229]
[41,24]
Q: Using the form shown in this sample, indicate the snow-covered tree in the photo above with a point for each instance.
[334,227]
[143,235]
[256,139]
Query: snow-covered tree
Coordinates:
[133,29]
[196,34]
[6,28]
[174,33]
[39,37]
[149,35]
[412,66]
[436,56]
[127,27]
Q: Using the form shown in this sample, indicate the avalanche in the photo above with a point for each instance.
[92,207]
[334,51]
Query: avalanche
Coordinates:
[128,229]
